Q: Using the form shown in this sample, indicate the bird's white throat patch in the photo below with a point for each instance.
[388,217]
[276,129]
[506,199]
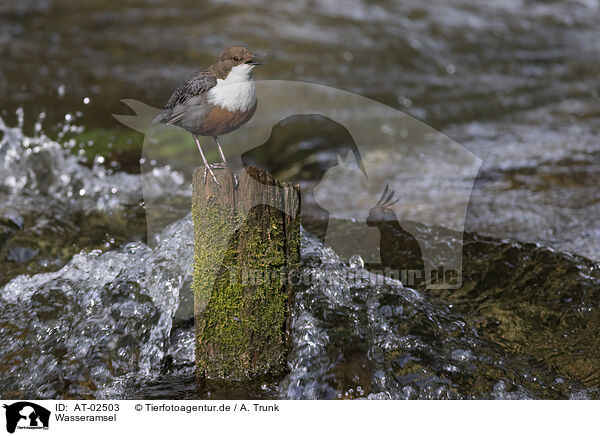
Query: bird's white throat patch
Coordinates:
[237,91]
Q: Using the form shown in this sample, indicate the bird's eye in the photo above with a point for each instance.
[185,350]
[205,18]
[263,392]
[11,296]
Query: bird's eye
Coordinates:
[236,59]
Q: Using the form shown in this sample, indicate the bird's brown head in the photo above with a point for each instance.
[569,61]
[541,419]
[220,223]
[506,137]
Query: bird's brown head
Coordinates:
[232,57]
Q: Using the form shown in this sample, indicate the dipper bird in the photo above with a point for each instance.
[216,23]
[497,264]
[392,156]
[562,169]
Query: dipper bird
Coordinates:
[215,101]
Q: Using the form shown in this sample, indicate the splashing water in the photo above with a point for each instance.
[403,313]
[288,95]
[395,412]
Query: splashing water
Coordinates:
[102,316]
[359,335]
[38,166]
[105,322]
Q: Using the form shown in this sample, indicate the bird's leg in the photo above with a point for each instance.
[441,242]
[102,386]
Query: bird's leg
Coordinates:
[206,165]
[223,163]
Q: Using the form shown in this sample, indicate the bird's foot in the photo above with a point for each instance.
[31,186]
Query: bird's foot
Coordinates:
[208,169]
[220,165]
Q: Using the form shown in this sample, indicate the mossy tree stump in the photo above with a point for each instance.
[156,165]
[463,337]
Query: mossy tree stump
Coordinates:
[246,249]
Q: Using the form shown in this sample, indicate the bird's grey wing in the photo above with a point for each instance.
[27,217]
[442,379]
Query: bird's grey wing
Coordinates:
[188,94]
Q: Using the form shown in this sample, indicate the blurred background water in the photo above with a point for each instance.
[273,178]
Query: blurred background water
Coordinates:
[515,82]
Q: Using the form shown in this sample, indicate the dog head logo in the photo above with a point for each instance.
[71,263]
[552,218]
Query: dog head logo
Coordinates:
[27,415]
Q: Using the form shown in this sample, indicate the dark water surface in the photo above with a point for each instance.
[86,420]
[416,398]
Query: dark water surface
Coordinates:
[87,309]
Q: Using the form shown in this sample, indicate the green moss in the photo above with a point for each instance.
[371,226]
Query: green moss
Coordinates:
[213,227]
[240,290]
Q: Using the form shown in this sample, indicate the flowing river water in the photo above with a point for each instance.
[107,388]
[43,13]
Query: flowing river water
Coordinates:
[90,308]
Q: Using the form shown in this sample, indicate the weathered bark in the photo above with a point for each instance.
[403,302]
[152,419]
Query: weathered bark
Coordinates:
[246,246]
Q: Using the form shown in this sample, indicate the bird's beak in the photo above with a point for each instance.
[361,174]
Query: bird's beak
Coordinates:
[254,60]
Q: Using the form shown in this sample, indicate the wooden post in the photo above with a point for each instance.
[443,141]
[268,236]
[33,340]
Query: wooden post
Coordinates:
[246,246]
